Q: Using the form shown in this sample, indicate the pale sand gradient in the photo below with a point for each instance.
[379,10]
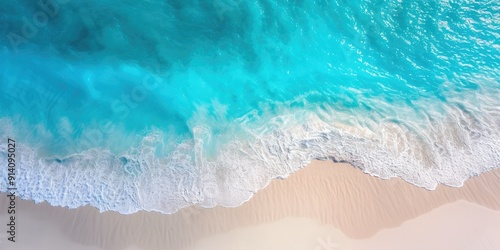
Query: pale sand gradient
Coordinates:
[333,194]
[459,225]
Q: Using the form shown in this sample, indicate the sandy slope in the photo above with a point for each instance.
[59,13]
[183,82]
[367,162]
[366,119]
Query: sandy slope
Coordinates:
[337,195]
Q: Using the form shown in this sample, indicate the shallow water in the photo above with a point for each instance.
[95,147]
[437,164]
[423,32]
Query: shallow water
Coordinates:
[156,105]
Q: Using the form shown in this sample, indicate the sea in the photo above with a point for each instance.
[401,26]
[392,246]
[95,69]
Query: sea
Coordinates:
[156,105]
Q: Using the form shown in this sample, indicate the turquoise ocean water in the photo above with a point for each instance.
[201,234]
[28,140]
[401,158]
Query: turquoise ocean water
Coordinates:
[159,104]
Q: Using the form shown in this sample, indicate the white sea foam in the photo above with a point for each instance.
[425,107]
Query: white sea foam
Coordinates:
[441,148]
[444,140]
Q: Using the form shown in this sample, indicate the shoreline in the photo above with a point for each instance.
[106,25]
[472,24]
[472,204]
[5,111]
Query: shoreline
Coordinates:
[227,180]
[338,195]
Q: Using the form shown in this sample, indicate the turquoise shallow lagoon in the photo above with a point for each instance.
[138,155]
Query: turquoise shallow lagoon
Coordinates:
[156,105]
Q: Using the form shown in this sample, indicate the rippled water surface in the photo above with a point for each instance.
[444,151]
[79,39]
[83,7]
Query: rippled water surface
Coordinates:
[156,105]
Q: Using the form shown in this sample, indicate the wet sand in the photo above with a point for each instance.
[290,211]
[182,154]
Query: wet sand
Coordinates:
[332,195]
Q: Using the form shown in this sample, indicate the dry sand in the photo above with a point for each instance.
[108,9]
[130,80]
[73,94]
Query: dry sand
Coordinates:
[336,195]
[459,225]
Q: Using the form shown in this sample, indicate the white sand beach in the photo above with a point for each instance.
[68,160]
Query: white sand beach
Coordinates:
[459,225]
[322,200]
